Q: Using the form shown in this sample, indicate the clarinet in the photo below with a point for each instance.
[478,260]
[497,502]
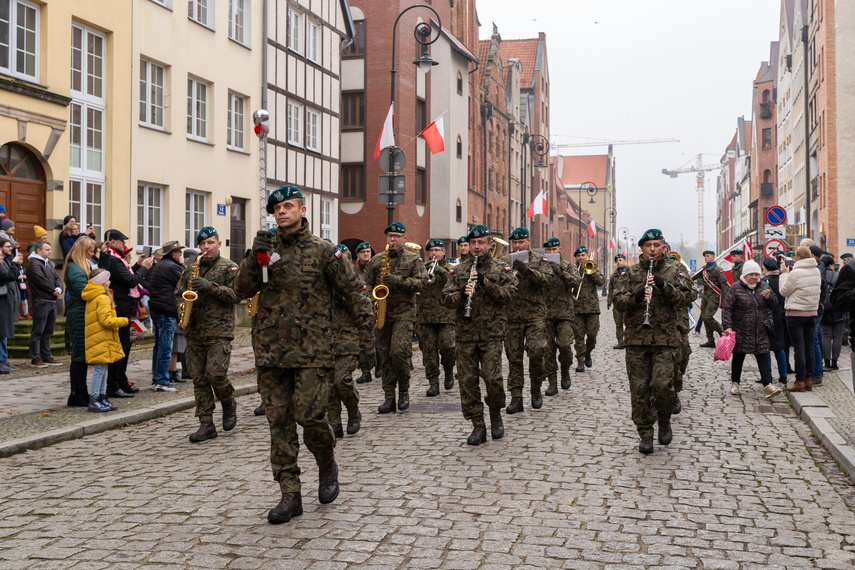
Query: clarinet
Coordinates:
[645,324]
[467,314]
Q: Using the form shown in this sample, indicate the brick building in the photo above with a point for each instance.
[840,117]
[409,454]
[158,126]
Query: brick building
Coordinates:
[764,157]
[724,221]
[579,207]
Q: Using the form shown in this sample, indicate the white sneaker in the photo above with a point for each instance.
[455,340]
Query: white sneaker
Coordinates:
[771,391]
[734,388]
[164,388]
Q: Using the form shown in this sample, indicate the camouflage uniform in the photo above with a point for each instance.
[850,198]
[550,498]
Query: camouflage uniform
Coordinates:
[560,320]
[736,272]
[395,340]
[362,268]
[651,354]
[436,325]
[616,283]
[710,300]
[588,315]
[479,341]
[210,332]
[346,352]
[688,288]
[526,313]
[292,338]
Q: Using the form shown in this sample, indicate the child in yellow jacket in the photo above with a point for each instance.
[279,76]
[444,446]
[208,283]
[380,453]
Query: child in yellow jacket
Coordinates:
[102,336]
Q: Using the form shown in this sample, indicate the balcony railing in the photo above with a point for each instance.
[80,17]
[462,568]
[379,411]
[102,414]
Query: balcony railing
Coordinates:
[765,111]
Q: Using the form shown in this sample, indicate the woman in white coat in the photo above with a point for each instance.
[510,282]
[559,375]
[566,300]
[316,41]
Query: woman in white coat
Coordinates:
[801,287]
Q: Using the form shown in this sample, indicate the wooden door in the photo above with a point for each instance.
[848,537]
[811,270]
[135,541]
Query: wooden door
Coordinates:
[237,230]
[22,191]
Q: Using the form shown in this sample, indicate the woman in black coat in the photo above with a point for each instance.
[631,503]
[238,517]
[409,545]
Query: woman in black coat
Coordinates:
[833,322]
[779,338]
[10,268]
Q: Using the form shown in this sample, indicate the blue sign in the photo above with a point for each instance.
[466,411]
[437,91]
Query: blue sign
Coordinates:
[850,242]
[221,209]
[776,216]
[693,265]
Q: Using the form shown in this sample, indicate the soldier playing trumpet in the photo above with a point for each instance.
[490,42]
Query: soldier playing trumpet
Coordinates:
[587,310]
[436,321]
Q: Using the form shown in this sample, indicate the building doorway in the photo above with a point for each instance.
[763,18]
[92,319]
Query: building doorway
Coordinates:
[237,230]
[22,191]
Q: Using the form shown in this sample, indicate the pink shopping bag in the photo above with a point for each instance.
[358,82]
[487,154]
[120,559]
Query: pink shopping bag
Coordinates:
[724,346]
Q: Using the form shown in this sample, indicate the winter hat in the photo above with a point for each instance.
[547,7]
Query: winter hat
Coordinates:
[770,264]
[750,267]
[39,231]
[101,278]
[6,224]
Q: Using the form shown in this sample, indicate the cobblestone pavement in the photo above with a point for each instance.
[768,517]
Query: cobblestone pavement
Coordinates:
[743,485]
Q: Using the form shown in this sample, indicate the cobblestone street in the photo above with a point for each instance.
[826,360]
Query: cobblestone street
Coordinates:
[743,485]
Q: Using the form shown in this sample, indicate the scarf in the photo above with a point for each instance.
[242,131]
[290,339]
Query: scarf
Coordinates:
[747,284]
[133,293]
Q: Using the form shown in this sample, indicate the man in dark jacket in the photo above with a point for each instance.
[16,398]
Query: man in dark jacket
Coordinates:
[124,283]
[161,289]
[843,300]
[45,289]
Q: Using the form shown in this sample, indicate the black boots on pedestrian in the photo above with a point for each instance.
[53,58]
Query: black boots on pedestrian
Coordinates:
[404,400]
[678,406]
[826,363]
[366,377]
[478,435]
[536,399]
[79,396]
[552,389]
[328,484]
[646,445]
[565,378]
[433,390]
[834,365]
[387,406]
[229,415]
[449,378]
[206,431]
[291,505]
[354,422]
[497,427]
[516,405]
[665,434]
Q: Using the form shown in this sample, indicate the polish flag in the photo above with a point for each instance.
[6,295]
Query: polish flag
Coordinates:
[747,250]
[387,135]
[612,243]
[623,252]
[434,135]
[592,229]
[726,265]
[538,206]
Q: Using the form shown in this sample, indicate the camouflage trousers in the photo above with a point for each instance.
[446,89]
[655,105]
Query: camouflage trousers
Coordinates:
[378,363]
[436,341]
[476,361]
[343,389]
[586,326]
[395,344]
[683,354]
[532,338]
[619,324]
[651,382]
[208,364]
[294,396]
[709,307]
[560,335]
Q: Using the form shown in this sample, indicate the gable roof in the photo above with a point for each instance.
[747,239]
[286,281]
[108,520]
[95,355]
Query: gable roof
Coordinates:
[527,52]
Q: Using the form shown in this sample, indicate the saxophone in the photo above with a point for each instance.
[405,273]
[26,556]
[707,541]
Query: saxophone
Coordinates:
[189,295]
[380,292]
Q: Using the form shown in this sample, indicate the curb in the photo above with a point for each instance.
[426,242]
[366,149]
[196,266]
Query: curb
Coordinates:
[109,421]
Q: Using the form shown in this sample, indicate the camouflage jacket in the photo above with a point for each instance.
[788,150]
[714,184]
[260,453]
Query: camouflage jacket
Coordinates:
[559,298]
[736,272]
[667,305]
[588,302]
[432,309]
[361,268]
[616,283]
[529,302]
[344,325]
[688,287]
[717,277]
[401,302]
[488,319]
[293,327]
[213,313]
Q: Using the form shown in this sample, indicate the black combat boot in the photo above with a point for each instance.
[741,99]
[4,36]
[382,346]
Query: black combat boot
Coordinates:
[404,400]
[388,406]
[665,434]
[646,445]
[565,378]
[580,367]
[552,389]
[497,428]
[366,377]
[229,415]
[678,406]
[536,399]
[449,378]
[206,430]
[260,410]
[515,406]
[434,389]
[337,431]
[328,484]
[378,372]
[588,362]
[291,505]
[619,346]
[478,435]
[354,422]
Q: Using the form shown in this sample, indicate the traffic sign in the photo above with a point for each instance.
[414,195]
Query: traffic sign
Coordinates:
[392,160]
[776,216]
[772,246]
[393,185]
[693,265]
[774,232]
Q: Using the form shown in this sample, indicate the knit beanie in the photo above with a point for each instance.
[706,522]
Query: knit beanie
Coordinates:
[39,231]
[770,264]
[750,267]
[101,278]
[6,224]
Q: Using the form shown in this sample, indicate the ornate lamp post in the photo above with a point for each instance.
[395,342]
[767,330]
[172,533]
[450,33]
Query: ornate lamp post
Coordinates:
[539,147]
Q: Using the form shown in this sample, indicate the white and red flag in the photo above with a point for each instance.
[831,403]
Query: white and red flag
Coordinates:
[434,135]
[387,135]
[612,243]
[592,229]
[538,206]
[726,265]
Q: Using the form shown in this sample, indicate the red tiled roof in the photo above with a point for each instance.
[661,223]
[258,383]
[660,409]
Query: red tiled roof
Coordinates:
[586,168]
[526,52]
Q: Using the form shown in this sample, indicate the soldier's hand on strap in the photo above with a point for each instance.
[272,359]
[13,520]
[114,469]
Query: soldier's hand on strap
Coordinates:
[200,284]
[367,358]
[391,280]
[263,242]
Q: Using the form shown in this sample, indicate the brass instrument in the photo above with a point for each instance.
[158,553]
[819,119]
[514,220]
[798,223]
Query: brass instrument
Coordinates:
[499,246]
[433,265]
[380,292]
[588,267]
[252,305]
[645,324]
[413,247]
[189,295]
[467,314]
[680,260]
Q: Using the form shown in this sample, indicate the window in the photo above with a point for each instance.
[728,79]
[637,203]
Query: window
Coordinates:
[151,94]
[326,219]
[149,214]
[201,11]
[197,109]
[87,106]
[295,31]
[195,214]
[313,38]
[87,63]
[352,182]
[353,110]
[459,147]
[19,39]
[237,22]
[295,125]
[421,115]
[313,123]
[421,186]
[459,211]
[459,83]
[767,138]
[85,200]
[235,120]
[357,47]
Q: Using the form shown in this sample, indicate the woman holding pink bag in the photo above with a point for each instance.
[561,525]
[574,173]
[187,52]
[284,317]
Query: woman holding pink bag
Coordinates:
[801,286]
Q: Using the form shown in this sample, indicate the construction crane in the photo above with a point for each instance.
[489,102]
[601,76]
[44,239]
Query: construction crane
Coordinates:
[701,169]
[610,143]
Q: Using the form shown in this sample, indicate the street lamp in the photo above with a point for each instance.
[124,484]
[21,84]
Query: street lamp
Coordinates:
[592,190]
[610,213]
[422,32]
[540,148]
[632,247]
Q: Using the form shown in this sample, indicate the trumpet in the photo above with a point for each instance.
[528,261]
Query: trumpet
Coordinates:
[588,267]
[645,324]
[433,265]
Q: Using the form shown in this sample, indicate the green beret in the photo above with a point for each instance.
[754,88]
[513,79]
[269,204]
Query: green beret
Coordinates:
[737,252]
[206,233]
[651,234]
[462,239]
[709,252]
[552,242]
[519,233]
[478,231]
[286,192]
[620,256]
[790,253]
[580,249]
[396,227]
[435,243]
[846,256]
[328,240]
[363,245]
[342,248]
[827,253]
[672,256]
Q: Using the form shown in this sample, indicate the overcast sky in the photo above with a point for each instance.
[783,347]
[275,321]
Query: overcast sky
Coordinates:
[648,69]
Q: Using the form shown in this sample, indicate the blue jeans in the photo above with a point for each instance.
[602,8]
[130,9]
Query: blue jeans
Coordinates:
[817,351]
[99,380]
[164,330]
[781,360]
[4,352]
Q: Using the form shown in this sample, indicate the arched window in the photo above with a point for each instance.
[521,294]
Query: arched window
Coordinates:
[459,210]
[766,96]
[459,83]
[767,176]
[459,147]
[17,162]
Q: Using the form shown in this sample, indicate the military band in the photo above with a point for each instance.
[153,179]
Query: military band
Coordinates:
[617,282]
[436,321]
[560,319]
[587,308]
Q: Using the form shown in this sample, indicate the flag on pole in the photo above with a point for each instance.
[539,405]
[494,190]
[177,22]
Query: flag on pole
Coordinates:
[592,229]
[612,243]
[387,135]
[538,206]
[434,135]
[747,250]
[726,265]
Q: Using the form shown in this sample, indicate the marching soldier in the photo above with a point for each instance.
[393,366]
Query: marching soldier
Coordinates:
[715,288]
[616,282]
[436,320]
[527,323]
[463,249]
[210,332]
[363,256]
[559,322]
[685,351]
[587,311]
[738,257]
[293,343]
[406,276]
[484,288]
[651,351]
